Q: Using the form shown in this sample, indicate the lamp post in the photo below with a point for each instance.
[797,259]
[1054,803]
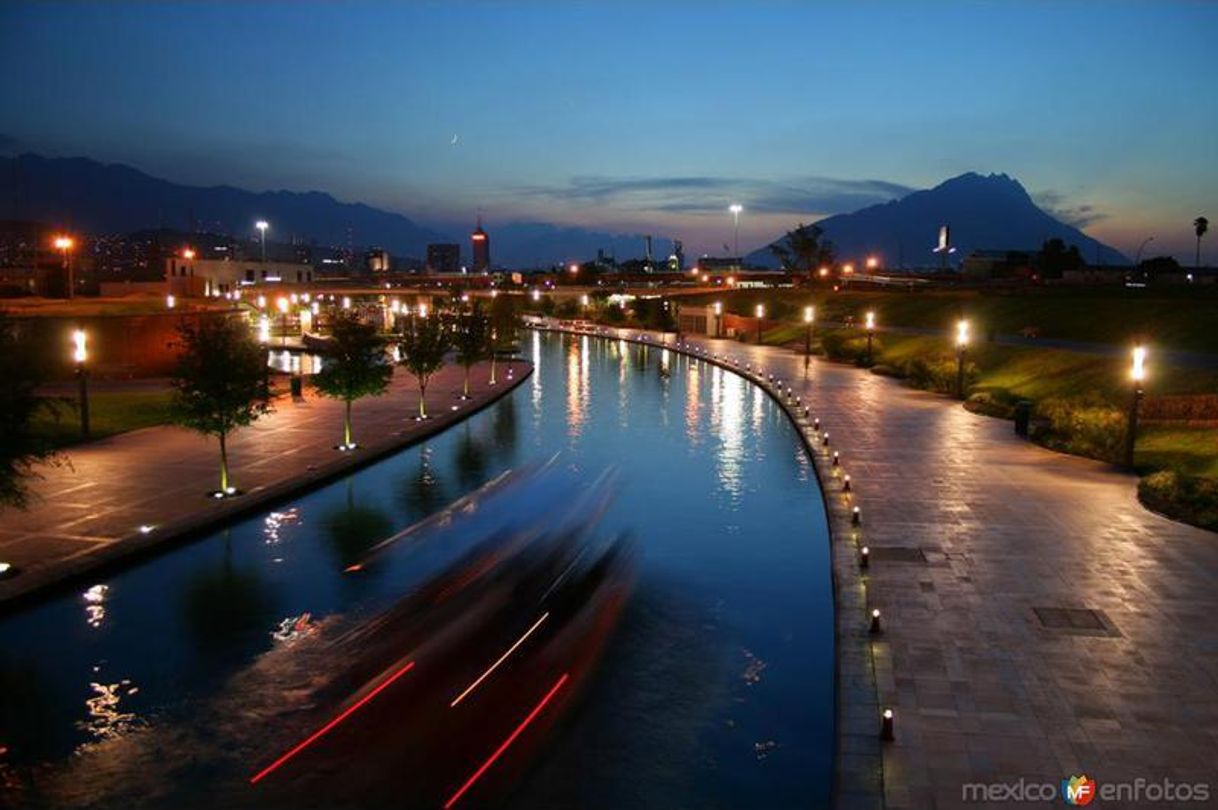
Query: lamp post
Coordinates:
[718,308]
[736,208]
[1138,261]
[1138,374]
[809,317]
[264,337]
[282,303]
[64,245]
[760,314]
[262,225]
[869,320]
[80,354]
[961,347]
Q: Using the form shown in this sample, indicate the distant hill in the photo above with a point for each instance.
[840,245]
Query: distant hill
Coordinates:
[984,212]
[112,198]
[531,244]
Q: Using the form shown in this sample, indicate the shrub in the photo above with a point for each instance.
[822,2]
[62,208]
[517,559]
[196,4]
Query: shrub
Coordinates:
[1190,498]
[1087,426]
[997,402]
[848,346]
[938,374]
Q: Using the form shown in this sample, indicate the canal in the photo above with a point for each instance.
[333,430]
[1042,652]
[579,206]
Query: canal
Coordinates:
[715,689]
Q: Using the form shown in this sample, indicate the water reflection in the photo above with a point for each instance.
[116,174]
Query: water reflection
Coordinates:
[105,719]
[353,528]
[224,602]
[424,492]
[95,605]
[470,459]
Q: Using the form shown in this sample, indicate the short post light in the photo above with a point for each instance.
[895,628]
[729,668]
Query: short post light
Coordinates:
[64,245]
[80,354]
[1138,375]
[886,726]
[962,338]
[170,301]
[869,323]
[718,309]
[809,318]
[874,627]
[283,305]
[760,312]
[864,557]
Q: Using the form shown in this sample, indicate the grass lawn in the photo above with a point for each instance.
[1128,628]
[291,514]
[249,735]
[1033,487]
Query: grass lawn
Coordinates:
[1191,450]
[1180,319]
[109,413]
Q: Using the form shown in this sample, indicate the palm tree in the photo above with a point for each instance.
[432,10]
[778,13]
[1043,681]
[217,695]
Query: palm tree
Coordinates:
[1200,225]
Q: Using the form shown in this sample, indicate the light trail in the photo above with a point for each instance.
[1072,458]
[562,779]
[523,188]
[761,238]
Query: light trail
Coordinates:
[502,658]
[316,735]
[499,751]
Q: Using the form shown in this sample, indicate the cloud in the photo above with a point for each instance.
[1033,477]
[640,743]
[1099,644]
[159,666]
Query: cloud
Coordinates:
[708,194]
[1080,216]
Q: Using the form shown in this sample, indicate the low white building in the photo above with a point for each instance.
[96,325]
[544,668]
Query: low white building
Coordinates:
[188,277]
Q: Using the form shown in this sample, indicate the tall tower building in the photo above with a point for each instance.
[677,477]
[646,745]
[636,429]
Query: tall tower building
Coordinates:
[481,248]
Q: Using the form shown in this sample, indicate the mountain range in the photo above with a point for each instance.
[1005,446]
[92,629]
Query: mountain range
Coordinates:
[984,212]
[112,198]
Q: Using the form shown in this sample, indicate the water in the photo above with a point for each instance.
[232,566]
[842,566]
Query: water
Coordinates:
[715,691]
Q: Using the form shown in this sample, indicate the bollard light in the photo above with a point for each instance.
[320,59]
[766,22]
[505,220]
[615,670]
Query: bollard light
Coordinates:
[856,516]
[825,438]
[1138,375]
[846,484]
[170,302]
[836,460]
[875,622]
[886,726]
[864,557]
[962,337]
[816,423]
[80,354]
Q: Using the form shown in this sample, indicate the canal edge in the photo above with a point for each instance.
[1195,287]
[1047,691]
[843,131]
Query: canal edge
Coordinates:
[20,593]
[858,760]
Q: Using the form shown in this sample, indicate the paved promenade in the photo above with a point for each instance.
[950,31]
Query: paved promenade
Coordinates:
[91,511]
[1038,622]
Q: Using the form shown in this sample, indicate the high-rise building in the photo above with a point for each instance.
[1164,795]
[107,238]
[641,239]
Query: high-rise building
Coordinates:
[482,248]
[443,257]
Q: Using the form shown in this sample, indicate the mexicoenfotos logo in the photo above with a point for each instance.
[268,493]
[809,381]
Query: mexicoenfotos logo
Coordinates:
[1078,790]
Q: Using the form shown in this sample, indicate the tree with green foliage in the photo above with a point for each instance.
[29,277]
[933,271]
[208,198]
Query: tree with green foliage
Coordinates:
[505,321]
[219,382]
[21,446]
[1200,226]
[423,343]
[354,365]
[803,250]
[472,340]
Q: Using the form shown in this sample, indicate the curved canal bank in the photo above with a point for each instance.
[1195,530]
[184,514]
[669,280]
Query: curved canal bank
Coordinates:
[858,764]
[716,689]
[136,493]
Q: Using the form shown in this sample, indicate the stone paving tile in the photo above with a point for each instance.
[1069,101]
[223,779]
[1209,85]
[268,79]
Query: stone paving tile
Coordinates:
[92,509]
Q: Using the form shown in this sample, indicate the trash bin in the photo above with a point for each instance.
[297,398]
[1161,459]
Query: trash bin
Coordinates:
[298,388]
[1023,415]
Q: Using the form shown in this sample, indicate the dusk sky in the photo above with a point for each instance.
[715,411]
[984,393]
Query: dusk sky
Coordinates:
[638,117]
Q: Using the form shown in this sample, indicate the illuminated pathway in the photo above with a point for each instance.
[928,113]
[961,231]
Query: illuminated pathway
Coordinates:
[1038,622]
[92,511]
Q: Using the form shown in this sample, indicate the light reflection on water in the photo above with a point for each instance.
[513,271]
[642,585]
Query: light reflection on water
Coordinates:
[726,646]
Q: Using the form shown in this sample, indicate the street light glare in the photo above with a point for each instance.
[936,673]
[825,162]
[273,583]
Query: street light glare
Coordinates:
[1139,363]
[63,243]
[760,310]
[80,351]
[736,208]
[962,334]
[262,224]
[809,314]
[870,320]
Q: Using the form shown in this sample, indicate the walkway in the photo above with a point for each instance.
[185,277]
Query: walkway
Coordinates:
[91,512]
[1038,622]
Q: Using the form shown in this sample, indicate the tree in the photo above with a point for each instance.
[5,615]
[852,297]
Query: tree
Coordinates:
[1200,226]
[354,366]
[21,446]
[218,384]
[505,320]
[1055,258]
[423,344]
[472,340]
[803,250]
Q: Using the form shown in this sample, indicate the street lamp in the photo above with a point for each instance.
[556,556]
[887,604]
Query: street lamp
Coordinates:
[869,320]
[283,304]
[809,318]
[760,311]
[262,225]
[1138,375]
[1138,261]
[872,264]
[718,307]
[64,245]
[736,208]
[80,353]
[264,337]
[962,337]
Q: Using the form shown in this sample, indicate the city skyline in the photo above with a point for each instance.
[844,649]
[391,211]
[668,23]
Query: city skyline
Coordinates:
[654,121]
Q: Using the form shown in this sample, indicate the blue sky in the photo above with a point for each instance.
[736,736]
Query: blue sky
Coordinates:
[642,117]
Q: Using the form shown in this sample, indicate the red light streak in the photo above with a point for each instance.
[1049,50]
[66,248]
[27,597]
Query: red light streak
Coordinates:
[316,735]
[495,665]
[504,746]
